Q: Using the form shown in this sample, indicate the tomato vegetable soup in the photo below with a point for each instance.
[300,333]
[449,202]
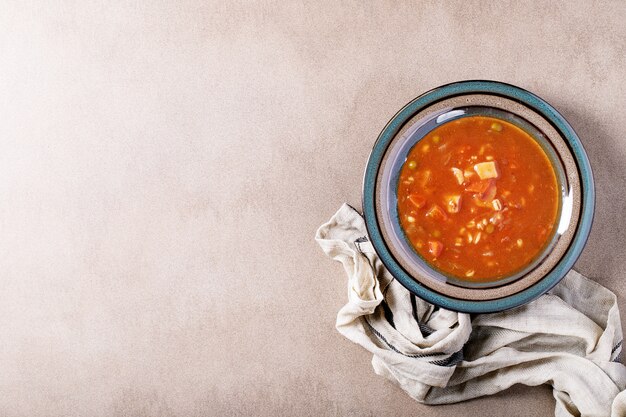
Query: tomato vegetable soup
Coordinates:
[478,198]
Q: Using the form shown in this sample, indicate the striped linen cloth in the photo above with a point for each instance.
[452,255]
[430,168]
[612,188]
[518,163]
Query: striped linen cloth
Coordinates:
[570,338]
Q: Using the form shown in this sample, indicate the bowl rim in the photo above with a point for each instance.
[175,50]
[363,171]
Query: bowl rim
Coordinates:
[526,98]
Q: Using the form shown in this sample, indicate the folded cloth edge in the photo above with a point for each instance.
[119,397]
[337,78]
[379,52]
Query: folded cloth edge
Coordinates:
[347,247]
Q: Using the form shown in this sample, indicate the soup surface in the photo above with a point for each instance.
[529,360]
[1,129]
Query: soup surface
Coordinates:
[478,198]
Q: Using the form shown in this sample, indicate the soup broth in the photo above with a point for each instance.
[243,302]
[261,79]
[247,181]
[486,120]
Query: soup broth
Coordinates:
[478,198]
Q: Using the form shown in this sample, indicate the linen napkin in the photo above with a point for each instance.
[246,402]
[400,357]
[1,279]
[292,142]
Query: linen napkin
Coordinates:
[569,338]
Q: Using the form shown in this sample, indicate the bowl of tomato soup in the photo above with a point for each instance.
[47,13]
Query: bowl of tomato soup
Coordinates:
[478,196]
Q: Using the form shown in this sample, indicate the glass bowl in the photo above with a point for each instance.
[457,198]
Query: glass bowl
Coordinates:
[514,105]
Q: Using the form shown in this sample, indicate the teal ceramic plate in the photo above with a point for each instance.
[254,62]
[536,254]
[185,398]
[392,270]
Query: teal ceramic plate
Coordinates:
[517,106]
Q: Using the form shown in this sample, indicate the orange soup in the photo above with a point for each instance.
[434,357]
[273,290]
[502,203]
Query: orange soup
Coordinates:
[478,198]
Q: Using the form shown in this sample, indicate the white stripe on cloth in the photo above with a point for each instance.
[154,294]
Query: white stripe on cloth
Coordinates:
[569,338]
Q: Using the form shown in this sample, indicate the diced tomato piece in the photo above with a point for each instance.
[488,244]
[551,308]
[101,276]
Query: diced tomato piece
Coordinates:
[479,186]
[436,213]
[417,200]
[435,247]
[490,193]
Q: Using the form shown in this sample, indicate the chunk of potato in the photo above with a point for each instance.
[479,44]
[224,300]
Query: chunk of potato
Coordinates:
[435,248]
[453,203]
[458,174]
[486,170]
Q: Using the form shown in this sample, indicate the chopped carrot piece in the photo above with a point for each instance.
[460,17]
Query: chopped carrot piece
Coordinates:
[417,200]
[436,213]
[435,247]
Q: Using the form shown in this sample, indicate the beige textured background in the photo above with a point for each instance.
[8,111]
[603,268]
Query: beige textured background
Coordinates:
[163,168]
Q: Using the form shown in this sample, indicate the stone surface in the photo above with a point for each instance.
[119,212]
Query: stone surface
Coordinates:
[164,166]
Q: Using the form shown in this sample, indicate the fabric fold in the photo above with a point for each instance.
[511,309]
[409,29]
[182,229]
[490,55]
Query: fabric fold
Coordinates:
[570,338]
